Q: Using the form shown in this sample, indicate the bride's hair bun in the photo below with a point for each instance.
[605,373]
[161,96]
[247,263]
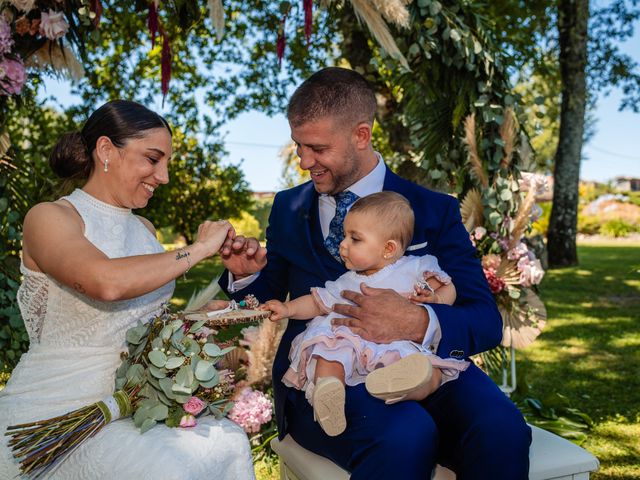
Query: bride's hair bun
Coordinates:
[70,157]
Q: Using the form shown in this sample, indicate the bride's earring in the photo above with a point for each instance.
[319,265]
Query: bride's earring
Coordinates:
[106,165]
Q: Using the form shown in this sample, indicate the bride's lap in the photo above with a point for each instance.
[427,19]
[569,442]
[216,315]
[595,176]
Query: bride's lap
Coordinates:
[211,449]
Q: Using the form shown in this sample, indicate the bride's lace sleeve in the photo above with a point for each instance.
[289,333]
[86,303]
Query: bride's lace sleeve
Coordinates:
[32,299]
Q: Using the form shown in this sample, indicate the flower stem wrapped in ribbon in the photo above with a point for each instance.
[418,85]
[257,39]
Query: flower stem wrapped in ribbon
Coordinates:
[41,445]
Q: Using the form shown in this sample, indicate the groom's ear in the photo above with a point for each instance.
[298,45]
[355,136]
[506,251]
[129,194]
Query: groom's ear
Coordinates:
[362,135]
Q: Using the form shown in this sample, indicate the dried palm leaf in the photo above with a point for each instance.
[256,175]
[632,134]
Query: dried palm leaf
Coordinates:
[5,143]
[394,11]
[508,272]
[60,58]
[477,169]
[200,299]
[235,359]
[472,210]
[373,19]
[508,132]
[522,218]
[216,13]
[524,322]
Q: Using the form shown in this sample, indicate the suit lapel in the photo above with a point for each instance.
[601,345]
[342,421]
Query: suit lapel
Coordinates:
[306,201]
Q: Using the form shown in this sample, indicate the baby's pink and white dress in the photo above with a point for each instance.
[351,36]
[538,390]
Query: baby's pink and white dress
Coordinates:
[338,343]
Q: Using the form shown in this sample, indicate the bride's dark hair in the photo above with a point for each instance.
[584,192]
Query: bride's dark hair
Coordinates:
[120,120]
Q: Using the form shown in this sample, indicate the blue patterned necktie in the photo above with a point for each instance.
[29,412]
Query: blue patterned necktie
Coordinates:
[336,232]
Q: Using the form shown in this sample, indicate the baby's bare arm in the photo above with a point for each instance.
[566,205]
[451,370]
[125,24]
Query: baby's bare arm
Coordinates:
[301,308]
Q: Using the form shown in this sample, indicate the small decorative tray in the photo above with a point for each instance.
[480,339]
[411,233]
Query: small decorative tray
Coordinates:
[236,313]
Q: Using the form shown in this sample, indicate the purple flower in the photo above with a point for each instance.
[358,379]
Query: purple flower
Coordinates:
[6,42]
[12,76]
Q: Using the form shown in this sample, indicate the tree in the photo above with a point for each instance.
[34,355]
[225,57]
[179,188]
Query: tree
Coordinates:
[573,19]
[536,36]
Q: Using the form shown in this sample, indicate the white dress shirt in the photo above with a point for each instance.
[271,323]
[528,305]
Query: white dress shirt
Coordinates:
[370,183]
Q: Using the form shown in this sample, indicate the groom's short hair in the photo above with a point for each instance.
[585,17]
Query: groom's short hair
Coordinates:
[393,214]
[333,92]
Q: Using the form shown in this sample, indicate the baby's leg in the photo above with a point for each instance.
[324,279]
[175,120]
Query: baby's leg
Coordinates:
[329,396]
[328,368]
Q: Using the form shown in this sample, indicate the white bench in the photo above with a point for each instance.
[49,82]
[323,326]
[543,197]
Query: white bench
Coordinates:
[551,457]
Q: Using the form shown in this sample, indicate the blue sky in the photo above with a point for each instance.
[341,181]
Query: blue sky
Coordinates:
[255,140]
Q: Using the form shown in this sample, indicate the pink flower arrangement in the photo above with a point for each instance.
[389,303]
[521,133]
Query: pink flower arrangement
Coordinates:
[12,76]
[194,406]
[251,410]
[53,25]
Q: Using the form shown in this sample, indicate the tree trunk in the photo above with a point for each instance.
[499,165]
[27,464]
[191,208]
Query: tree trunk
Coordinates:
[573,17]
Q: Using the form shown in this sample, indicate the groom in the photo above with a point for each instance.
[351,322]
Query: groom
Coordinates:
[468,425]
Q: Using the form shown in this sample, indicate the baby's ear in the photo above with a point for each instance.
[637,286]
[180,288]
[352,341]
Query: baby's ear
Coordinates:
[391,249]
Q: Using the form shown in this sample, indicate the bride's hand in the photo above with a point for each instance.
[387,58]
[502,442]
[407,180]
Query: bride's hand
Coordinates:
[211,235]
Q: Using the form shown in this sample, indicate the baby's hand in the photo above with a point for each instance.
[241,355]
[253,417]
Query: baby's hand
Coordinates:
[278,309]
[425,290]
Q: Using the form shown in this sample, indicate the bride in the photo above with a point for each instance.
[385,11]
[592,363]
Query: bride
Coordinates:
[91,270]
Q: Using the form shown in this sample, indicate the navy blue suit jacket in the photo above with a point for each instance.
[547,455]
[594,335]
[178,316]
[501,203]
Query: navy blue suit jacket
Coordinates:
[295,263]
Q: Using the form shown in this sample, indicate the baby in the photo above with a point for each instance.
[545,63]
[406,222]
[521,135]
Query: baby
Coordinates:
[324,358]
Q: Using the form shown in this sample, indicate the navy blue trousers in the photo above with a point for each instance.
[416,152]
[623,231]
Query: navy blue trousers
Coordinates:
[468,425]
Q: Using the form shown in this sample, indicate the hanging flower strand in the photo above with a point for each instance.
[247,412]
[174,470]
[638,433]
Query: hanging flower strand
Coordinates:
[165,64]
[308,19]
[281,42]
[152,22]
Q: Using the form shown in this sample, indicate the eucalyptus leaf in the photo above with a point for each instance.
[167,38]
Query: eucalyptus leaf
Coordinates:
[135,374]
[140,415]
[148,424]
[212,349]
[197,326]
[165,385]
[157,372]
[159,412]
[184,376]
[178,389]
[212,382]
[158,358]
[205,371]
[174,362]
[182,398]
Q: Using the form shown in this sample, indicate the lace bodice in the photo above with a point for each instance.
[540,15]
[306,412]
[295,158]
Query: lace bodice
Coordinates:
[55,314]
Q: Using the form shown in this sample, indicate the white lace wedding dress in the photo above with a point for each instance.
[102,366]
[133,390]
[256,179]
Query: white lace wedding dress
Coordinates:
[71,362]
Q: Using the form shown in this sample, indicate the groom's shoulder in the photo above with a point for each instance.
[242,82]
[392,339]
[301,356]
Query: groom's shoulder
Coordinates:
[292,194]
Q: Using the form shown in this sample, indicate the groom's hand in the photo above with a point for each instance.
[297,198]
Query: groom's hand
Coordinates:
[382,315]
[243,256]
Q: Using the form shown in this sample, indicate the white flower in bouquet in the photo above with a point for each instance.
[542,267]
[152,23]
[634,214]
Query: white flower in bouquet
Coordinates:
[53,25]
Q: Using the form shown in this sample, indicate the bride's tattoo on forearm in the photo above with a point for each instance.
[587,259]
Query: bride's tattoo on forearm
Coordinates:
[79,288]
[181,254]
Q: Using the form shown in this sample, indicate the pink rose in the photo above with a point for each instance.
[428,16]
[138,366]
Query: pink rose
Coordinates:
[531,271]
[12,76]
[188,421]
[479,232]
[194,406]
[53,25]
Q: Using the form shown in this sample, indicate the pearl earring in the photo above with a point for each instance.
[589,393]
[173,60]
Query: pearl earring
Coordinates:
[106,165]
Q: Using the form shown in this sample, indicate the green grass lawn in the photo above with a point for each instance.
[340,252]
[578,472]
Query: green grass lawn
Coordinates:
[590,351]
